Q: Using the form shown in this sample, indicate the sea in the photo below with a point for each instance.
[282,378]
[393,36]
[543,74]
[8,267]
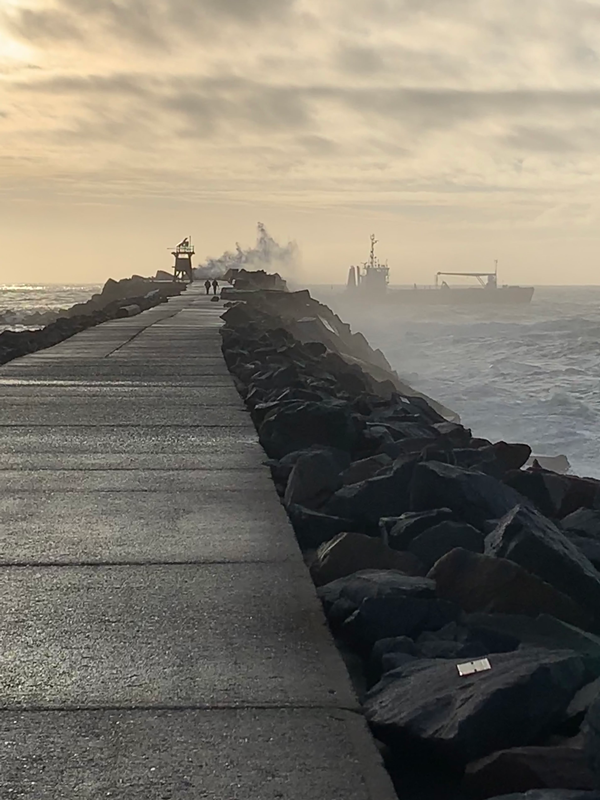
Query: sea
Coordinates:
[18,301]
[519,373]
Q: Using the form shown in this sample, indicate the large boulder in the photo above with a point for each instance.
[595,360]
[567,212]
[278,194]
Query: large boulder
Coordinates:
[555,495]
[312,528]
[481,583]
[463,718]
[583,522]
[582,527]
[457,641]
[492,459]
[354,552]
[365,469]
[510,455]
[579,707]
[383,496]
[378,618]
[542,632]
[523,768]
[546,490]
[590,548]
[399,532]
[473,496]
[314,478]
[529,539]
[296,425]
[374,604]
[434,543]
[374,584]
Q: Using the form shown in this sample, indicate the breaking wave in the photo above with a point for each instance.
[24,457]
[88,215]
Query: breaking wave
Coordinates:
[267,255]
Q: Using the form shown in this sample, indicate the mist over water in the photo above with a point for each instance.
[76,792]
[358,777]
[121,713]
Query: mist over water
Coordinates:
[529,373]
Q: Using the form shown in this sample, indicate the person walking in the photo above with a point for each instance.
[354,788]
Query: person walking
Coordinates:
[215,285]
[207,286]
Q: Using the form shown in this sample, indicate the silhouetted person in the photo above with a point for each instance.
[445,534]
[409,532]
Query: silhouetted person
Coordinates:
[207,286]
[215,285]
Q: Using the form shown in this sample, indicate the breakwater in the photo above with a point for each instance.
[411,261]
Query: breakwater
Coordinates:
[461,586]
[118,299]
[161,636]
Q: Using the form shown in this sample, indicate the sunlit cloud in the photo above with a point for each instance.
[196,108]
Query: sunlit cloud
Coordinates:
[462,113]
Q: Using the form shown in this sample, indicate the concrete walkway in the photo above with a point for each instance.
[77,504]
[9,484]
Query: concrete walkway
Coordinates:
[159,634]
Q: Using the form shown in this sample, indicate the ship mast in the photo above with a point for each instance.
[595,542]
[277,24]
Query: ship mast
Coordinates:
[373,260]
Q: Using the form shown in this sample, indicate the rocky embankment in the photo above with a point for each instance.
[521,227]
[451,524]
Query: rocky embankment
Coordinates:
[118,299]
[432,550]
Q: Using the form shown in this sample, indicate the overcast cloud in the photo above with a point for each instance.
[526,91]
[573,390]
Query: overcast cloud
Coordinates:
[462,114]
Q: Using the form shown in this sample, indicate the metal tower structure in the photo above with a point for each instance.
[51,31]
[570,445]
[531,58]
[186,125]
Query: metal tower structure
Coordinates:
[183,269]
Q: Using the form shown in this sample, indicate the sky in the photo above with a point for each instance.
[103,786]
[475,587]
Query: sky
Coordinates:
[458,131]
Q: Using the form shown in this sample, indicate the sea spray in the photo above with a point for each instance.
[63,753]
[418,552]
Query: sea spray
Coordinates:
[266,255]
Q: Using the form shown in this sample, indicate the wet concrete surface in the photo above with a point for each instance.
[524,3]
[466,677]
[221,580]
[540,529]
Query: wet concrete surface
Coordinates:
[160,635]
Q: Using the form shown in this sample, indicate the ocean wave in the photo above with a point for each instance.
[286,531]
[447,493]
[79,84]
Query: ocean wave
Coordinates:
[40,315]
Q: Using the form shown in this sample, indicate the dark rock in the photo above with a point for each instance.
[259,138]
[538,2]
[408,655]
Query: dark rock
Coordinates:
[456,433]
[481,583]
[281,469]
[460,719]
[386,618]
[365,469]
[472,496]
[583,522]
[556,495]
[354,552]
[480,459]
[552,794]
[590,548]
[383,496]
[387,605]
[375,584]
[591,733]
[435,542]
[525,768]
[546,490]
[388,654]
[297,425]
[400,531]
[529,539]
[543,631]
[314,478]
[579,706]
[457,641]
[511,456]
[312,528]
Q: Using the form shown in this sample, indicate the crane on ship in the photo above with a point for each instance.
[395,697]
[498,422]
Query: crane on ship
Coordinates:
[491,281]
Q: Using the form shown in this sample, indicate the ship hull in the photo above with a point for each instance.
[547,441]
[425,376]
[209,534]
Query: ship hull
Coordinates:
[503,295]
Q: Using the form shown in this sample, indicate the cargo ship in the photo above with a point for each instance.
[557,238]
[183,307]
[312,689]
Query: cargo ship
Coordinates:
[371,281]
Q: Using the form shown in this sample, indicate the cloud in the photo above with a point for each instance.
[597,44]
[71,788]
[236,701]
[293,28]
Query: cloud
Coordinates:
[145,23]
[38,25]
[349,101]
